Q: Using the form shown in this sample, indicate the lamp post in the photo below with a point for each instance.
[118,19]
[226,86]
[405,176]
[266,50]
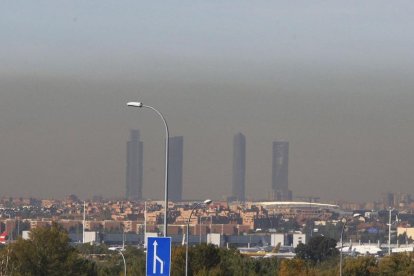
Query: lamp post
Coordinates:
[389,232]
[196,206]
[390,223]
[119,250]
[167,138]
[342,241]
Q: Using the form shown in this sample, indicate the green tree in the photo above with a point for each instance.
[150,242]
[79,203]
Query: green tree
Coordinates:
[318,249]
[135,260]
[262,266]
[294,267]
[397,264]
[361,266]
[88,249]
[213,261]
[205,256]
[46,252]
[202,258]
[303,252]
[232,262]
[178,261]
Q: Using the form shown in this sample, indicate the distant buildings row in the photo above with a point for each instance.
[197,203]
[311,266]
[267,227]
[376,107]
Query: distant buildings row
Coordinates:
[396,200]
[134,169]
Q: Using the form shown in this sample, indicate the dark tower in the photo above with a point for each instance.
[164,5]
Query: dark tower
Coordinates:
[239,167]
[134,170]
[175,168]
[280,171]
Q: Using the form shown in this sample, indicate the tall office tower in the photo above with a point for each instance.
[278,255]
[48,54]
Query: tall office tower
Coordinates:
[388,200]
[134,169]
[239,167]
[280,171]
[175,168]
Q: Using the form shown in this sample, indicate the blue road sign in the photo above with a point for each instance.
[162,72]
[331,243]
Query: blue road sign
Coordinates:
[158,256]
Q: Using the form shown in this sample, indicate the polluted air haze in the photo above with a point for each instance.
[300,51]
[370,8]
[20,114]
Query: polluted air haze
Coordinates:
[334,78]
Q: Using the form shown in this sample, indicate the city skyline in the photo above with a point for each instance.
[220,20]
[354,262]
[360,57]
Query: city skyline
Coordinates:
[332,78]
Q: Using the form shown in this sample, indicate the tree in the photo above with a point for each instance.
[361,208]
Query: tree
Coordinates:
[361,266]
[294,267]
[233,263]
[318,249]
[397,264]
[203,257]
[213,261]
[135,259]
[46,252]
[178,261]
[262,266]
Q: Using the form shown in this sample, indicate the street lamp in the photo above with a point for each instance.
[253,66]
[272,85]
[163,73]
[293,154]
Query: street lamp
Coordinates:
[167,138]
[389,228]
[119,250]
[345,221]
[389,232]
[196,206]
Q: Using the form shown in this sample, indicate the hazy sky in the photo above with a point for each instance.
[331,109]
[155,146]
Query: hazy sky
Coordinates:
[334,78]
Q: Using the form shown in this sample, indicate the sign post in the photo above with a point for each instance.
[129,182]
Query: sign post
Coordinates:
[158,256]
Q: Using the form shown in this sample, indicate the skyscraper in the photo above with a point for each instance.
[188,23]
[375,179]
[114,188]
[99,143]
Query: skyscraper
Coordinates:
[175,168]
[280,171]
[239,167]
[134,169]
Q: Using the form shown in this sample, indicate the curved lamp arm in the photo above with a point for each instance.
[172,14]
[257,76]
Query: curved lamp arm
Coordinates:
[196,206]
[167,138]
[356,215]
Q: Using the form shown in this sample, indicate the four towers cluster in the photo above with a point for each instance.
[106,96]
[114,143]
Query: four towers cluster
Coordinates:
[134,169]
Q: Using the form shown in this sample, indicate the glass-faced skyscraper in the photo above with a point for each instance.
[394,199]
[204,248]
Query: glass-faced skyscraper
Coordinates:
[175,168]
[280,171]
[239,167]
[134,169]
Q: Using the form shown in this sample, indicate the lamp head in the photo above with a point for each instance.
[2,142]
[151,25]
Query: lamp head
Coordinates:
[135,104]
[354,216]
[114,248]
[360,217]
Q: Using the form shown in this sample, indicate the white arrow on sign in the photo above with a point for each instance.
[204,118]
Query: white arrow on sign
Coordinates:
[157,259]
